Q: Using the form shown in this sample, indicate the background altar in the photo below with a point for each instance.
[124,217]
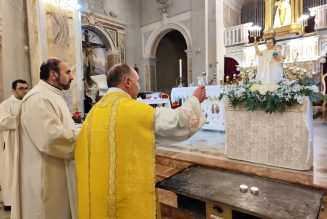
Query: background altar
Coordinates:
[213,109]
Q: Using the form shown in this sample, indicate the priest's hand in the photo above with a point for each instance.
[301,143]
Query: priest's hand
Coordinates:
[200,93]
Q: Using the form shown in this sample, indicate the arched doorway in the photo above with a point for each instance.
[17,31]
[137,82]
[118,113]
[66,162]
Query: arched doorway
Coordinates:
[170,49]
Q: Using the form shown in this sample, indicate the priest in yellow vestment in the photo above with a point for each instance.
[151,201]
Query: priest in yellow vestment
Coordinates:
[115,151]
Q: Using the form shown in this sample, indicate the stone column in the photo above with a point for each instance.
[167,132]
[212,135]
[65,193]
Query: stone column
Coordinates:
[150,81]
[220,47]
[189,66]
[15,58]
[198,42]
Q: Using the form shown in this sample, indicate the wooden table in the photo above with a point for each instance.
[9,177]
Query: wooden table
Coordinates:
[210,193]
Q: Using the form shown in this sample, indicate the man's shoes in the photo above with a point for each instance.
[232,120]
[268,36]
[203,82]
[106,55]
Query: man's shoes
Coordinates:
[7,208]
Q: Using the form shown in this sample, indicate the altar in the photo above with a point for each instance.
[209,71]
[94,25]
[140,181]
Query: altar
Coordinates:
[276,139]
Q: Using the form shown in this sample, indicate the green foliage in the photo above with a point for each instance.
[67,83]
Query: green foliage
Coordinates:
[272,97]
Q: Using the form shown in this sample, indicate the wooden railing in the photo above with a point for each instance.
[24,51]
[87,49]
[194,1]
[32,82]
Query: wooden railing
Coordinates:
[321,16]
[237,35]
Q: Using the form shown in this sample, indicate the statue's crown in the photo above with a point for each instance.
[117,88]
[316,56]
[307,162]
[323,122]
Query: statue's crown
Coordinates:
[269,33]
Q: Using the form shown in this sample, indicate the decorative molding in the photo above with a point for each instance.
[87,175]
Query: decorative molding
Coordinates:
[145,37]
[112,34]
[187,23]
[106,28]
[164,5]
[152,33]
[323,47]
[122,47]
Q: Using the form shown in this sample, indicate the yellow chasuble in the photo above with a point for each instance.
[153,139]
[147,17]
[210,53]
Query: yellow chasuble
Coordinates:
[115,154]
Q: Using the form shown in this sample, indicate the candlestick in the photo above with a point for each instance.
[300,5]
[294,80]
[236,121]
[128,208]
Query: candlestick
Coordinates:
[180,68]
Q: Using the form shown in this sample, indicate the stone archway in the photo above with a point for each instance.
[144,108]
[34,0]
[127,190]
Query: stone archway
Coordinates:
[151,46]
[171,48]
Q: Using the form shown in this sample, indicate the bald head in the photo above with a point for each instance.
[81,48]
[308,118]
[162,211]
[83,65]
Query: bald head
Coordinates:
[116,74]
[124,77]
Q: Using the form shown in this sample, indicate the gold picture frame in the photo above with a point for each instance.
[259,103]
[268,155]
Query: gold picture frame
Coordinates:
[295,7]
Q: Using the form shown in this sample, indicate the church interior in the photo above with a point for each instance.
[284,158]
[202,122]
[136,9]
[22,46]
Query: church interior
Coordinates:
[175,46]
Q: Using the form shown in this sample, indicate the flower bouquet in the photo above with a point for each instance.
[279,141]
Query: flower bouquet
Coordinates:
[77,117]
[271,97]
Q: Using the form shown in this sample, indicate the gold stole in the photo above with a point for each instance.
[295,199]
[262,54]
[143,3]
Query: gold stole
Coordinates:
[114,155]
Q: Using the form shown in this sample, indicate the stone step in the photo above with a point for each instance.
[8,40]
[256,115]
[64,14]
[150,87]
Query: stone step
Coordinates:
[169,165]
[171,162]
[163,171]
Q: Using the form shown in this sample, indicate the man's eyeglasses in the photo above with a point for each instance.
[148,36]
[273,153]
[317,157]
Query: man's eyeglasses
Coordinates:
[22,88]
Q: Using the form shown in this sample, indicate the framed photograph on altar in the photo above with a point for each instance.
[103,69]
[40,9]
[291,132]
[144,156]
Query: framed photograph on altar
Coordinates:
[281,17]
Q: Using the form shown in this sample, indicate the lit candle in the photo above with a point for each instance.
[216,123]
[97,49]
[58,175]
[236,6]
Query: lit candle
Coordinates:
[243,188]
[180,68]
[254,190]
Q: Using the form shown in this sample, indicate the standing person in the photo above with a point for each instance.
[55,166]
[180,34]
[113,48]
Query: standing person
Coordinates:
[8,111]
[115,150]
[270,63]
[43,158]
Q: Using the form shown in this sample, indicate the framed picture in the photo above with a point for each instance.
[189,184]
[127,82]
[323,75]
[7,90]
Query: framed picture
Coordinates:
[281,17]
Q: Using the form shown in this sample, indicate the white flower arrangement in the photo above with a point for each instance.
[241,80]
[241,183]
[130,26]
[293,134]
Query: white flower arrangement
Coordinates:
[271,97]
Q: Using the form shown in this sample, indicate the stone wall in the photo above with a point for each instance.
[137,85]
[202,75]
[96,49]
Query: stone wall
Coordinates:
[151,12]
[15,55]
[232,16]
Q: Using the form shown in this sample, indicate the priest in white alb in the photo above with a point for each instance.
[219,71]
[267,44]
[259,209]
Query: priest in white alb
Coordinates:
[44,178]
[8,111]
[115,150]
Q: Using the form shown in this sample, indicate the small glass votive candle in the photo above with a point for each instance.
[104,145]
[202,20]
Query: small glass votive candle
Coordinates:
[254,190]
[243,188]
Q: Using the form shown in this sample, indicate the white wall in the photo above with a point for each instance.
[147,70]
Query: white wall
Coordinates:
[150,10]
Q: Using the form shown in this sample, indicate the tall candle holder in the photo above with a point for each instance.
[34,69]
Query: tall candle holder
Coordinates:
[214,79]
[204,77]
[180,82]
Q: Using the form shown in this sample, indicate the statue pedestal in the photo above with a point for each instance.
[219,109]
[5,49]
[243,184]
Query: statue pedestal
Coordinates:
[281,140]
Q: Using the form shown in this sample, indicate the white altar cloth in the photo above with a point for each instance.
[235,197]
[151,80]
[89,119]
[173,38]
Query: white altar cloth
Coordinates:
[282,140]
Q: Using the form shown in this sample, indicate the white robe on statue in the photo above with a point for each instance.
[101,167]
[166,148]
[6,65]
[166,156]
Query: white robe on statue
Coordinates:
[269,70]
[44,171]
[8,111]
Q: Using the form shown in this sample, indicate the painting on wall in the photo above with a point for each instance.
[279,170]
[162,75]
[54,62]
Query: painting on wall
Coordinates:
[60,26]
[281,17]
